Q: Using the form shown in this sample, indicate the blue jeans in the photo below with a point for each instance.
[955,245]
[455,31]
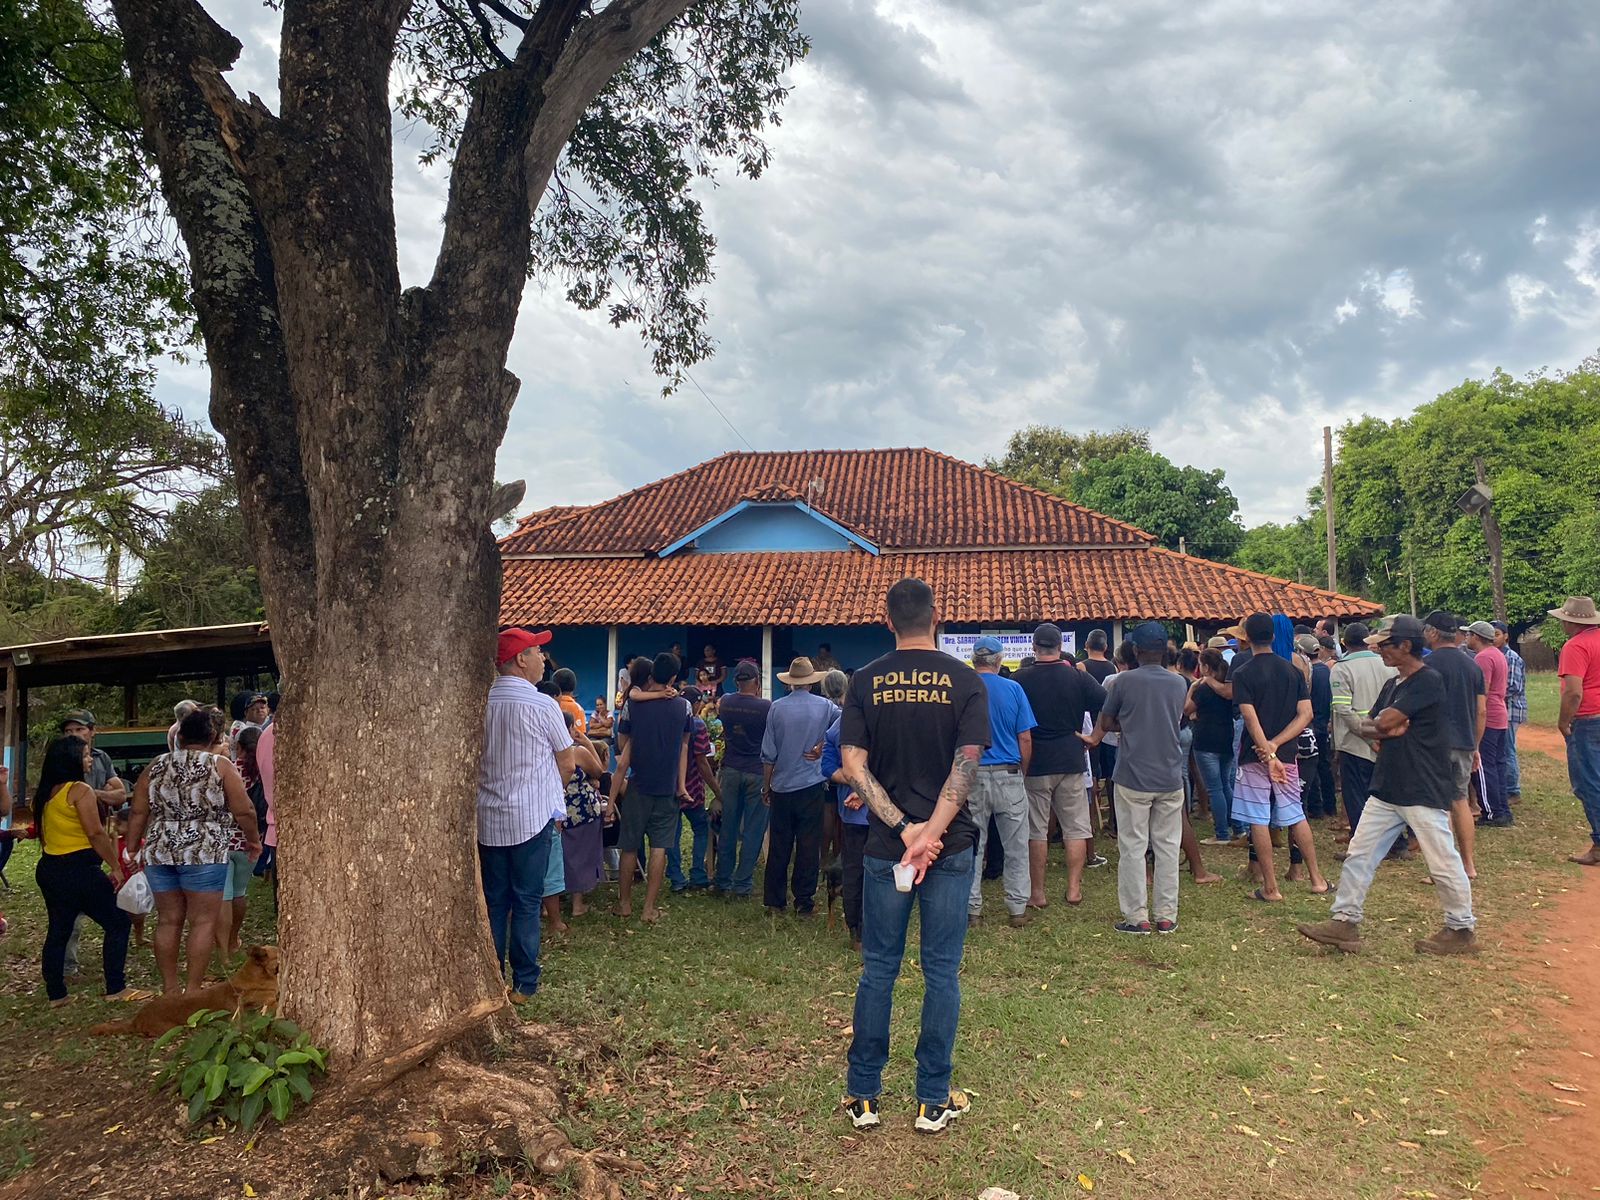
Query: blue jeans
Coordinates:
[1513,765]
[1216,772]
[942,902]
[744,824]
[513,889]
[1583,769]
[700,826]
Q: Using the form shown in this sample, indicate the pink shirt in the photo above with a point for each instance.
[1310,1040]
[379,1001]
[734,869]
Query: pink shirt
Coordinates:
[1581,657]
[269,737]
[1493,665]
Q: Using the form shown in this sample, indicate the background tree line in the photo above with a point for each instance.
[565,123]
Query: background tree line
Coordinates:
[1401,540]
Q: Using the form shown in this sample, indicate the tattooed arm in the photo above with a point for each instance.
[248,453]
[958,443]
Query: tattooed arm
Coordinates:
[924,842]
[854,759]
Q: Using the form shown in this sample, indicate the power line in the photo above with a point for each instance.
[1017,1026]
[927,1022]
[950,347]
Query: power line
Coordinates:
[720,413]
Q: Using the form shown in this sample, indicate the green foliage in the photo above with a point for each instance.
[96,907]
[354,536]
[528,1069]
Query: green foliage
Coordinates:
[1294,551]
[1118,474]
[620,226]
[91,290]
[240,1067]
[1149,490]
[1396,484]
[200,571]
[1047,458]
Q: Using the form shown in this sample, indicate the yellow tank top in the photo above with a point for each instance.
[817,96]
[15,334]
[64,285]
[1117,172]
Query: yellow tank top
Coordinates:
[63,831]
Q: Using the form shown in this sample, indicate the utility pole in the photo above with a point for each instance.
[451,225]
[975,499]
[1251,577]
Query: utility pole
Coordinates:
[1327,505]
[1491,537]
[1183,545]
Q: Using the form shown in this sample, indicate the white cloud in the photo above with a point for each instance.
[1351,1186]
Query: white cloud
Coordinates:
[1233,222]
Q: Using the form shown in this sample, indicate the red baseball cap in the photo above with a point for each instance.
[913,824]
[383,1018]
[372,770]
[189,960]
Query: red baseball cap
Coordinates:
[514,641]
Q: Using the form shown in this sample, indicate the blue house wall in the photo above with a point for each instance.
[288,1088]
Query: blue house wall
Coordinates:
[763,528]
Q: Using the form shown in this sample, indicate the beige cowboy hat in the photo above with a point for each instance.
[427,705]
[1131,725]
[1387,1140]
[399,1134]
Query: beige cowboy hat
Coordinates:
[1579,610]
[801,672]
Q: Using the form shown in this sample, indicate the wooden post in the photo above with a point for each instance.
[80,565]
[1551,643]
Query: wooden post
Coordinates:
[222,693]
[1116,638]
[19,764]
[130,705]
[766,661]
[8,739]
[1491,537]
[1183,544]
[1327,506]
[611,661]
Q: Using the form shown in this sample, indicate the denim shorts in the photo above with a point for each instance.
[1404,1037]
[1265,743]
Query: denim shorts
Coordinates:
[240,868]
[187,877]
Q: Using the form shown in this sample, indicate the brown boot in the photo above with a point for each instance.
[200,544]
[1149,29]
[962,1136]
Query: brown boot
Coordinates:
[1449,941]
[1341,935]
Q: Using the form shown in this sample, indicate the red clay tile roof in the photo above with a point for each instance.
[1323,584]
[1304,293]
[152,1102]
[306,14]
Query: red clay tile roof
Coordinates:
[848,588]
[909,499]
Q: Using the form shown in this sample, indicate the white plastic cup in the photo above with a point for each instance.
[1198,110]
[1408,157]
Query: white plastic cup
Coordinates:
[904,873]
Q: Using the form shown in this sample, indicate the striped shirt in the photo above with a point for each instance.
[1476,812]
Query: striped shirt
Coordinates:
[520,789]
[1516,686]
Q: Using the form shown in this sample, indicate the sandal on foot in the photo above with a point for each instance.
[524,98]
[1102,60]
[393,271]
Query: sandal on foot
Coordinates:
[1258,894]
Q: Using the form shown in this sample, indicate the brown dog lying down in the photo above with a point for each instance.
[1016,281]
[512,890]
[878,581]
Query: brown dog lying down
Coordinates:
[253,986]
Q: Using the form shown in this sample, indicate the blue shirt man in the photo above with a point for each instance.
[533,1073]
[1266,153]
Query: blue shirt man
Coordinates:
[794,792]
[1000,792]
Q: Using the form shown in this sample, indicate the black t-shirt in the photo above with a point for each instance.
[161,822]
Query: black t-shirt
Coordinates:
[744,723]
[910,710]
[1100,669]
[1463,684]
[655,730]
[1213,721]
[1275,687]
[1414,768]
[1059,695]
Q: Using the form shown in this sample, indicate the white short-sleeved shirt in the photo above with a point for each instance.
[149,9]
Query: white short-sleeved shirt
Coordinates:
[520,789]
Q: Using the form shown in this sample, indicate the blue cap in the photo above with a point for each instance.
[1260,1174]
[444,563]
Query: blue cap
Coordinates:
[988,645]
[1149,636]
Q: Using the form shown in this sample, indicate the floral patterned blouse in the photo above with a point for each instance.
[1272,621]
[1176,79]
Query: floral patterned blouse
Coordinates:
[190,824]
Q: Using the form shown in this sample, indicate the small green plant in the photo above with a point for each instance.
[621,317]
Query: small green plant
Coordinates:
[240,1066]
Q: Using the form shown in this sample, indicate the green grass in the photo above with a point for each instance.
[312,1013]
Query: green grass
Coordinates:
[1544,697]
[1230,1060]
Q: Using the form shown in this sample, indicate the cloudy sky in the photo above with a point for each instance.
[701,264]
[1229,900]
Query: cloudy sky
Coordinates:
[1231,222]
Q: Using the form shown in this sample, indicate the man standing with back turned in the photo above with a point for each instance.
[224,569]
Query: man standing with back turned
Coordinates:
[1146,706]
[999,792]
[915,723]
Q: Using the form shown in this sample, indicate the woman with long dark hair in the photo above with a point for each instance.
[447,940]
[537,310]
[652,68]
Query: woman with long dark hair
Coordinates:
[73,842]
[188,806]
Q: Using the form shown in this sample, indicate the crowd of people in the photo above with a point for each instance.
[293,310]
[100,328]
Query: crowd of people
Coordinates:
[196,827]
[910,780]
[904,783]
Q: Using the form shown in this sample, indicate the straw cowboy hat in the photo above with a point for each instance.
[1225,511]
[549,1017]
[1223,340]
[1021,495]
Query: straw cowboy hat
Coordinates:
[800,673]
[1578,609]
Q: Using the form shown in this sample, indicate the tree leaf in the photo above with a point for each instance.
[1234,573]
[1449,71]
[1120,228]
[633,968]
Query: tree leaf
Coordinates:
[216,1080]
[281,1100]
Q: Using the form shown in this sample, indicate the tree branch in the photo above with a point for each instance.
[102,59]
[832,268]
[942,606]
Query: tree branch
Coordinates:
[486,30]
[176,53]
[595,53]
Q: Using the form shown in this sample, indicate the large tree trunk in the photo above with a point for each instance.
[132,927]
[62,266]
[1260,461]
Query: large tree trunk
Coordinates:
[363,424]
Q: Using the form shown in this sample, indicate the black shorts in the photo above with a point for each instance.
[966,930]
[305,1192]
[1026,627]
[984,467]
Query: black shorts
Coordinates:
[644,815]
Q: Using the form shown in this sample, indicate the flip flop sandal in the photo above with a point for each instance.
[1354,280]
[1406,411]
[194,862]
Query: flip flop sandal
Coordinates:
[133,996]
[1261,896]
